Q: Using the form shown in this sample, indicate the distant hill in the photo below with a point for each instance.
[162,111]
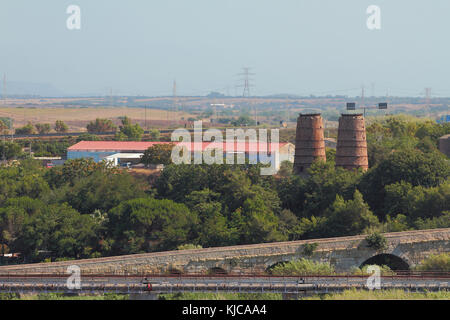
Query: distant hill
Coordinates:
[32,89]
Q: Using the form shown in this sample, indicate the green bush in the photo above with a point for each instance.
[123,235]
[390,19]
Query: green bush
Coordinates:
[440,262]
[384,270]
[309,248]
[189,246]
[302,267]
[376,241]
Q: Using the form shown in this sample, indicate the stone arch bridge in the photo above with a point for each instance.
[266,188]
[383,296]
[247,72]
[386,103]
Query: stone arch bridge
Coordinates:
[404,250]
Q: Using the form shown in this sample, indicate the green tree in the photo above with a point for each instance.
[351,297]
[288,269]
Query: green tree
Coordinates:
[350,217]
[438,262]
[101,125]
[100,191]
[158,154]
[75,169]
[43,128]
[442,221]
[256,222]
[154,135]
[61,126]
[24,179]
[286,168]
[87,137]
[60,230]
[243,121]
[3,126]
[410,166]
[213,229]
[143,225]
[417,202]
[26,129]
[128,131]
[312,196]
[10,150]
[376,241]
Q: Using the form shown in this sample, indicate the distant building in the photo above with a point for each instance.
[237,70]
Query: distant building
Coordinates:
[99,150]
[444,145]
[444,119]
[120,152]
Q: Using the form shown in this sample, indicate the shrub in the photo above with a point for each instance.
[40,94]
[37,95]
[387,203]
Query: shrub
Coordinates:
[440,262]
[302,267]
[27,129]
[60,126]
[309,248]
[43,128]
[189,246]
[376,241]
[101,125]
[384,270]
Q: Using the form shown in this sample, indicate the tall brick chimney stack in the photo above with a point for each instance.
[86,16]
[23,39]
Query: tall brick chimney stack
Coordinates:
[309,142]
[351,150]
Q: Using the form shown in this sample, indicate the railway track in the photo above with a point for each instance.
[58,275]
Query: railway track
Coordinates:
[218,283]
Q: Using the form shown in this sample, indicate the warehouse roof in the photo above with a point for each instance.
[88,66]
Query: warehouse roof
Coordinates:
[121,146]
[113,145]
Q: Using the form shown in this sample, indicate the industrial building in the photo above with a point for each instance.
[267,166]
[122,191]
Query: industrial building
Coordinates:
[309,142]
[351,150]
[351,146]
[100,150]
[119,152]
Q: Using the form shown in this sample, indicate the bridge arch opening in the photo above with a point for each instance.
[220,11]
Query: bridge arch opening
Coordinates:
[392,261]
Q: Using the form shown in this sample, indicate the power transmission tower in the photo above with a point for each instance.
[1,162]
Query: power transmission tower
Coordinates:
[246,74]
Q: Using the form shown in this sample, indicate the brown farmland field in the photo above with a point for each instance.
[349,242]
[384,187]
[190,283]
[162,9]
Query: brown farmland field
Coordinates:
[78,117]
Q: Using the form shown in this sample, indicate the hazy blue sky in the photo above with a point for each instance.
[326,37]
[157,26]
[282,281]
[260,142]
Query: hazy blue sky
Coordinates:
[293,46]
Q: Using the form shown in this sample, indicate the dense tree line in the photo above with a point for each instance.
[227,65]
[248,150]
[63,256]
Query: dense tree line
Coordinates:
[85,209]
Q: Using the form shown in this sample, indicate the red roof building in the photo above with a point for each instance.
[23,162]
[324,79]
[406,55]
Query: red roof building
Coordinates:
[99,150]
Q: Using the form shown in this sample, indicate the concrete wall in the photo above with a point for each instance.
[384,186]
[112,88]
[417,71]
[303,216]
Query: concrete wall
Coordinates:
[344,253]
